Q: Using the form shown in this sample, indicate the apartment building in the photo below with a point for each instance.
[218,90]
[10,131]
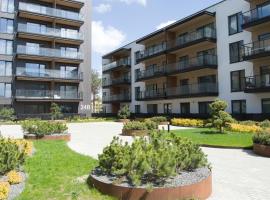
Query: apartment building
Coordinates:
[219,52]
[45,55]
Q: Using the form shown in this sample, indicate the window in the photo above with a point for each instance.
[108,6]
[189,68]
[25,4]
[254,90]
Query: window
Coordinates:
[5,90]
[152,108]
[7,6]
[238,106]
[137,92]
[68,72]
[265,36]
[266,106]
[167,108]
[204,107]
[237,80]
[235,23]
[6,25]
[5,68]
[35,69]
[137,73]
[235,51]
[6,47]
[183,62]
[137,109]
[185,108]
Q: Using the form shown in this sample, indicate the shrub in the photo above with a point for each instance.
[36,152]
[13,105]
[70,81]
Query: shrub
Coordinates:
[25,146]
[55,111]
[14,177]
[7,113]
[11,156]
[124,112]
[136,125]
[41,128]
[265,124]
[4,190]
[152,160]
[248,123]
[158,119]
[187,122]
[262,137]
[244,128]
[151,125]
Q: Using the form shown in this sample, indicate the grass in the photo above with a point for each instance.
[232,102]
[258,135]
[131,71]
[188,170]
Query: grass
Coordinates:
[56,172]
[205,136]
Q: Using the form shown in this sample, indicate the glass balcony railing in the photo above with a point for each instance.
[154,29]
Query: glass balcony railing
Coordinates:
[54,12]
[47,94]
[257,48]
[256,14]
[151,51]
[116,81]
[257,82]
[117,98]
[48,52]
[48,73]
[117,63]
[151,94]
[151,73]
[68,33]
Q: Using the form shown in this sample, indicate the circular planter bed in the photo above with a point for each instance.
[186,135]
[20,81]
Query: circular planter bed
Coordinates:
[65,137]
[135,132]
[196,184]
[262,150]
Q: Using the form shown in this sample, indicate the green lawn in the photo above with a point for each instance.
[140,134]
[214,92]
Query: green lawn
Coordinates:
[54,172]
[205,136]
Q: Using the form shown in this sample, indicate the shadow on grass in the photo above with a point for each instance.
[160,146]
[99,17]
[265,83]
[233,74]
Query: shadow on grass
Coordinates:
[212,132]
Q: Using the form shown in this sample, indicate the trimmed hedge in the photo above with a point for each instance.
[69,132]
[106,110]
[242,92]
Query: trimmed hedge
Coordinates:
[187,122]
[158,119]
[262,138]
[136,125]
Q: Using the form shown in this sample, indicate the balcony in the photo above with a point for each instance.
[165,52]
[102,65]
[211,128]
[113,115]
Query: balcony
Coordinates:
[148,95]
[49,34]
[38,12]
[40,53]
[48,75]
[151,52]
[192,64]
[256,17]
[119,98]
[206,34]
[125,80]
[155,72]
[257,84]
[118,64]
[255,50]
[69,3]
[47,95]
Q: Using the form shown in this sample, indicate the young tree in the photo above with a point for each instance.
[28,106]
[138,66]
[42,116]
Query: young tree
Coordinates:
[7,113]
[219,117]
[95,86]
[55,111]
[124,112]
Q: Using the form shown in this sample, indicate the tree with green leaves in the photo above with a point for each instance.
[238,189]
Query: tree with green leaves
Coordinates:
[7,113]
[124,112]
[219,117]
[95,86]
[55,111]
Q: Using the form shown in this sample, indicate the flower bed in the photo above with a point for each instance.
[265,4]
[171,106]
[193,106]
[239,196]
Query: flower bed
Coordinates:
[240,128]
[158,167]
[136,128]
[187,122]
[160,120]
[261,142]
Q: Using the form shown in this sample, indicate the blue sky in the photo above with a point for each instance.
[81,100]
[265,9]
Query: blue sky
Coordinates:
[118,22]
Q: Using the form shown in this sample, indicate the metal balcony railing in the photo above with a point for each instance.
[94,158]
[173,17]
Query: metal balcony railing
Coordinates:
[67,34]
[116,81]
[257,81]
[151,94]
[47,94]
[256,14]
[256,48]
[121,62]
[54,12]
[117,98]
[150,73]
[151,51]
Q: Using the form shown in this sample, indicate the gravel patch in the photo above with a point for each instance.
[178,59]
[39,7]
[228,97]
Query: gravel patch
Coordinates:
[182,179]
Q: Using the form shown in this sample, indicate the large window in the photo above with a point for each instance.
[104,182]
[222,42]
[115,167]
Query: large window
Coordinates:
[204,107]
[68,72]
[266,106]
[6,25]
[237,80]
[238,106]
[7,6]
[137,109]
[5,68]
[5,90]
[167,108]
[35,69]
[235,51]
[6,47]
[185,108]
[152,109]
[235,23]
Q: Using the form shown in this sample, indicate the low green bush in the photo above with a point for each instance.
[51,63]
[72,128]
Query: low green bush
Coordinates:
[150,160]
[248,123]
[151,125]
[7,114]
[262,138]
[159,119]
[265,124]
[136,125]
[11,156]
[41,128]
[124,112]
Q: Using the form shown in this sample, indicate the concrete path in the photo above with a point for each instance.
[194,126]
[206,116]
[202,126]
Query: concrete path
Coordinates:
[12,131]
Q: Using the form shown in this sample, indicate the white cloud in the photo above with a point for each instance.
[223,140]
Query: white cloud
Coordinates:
[103,8]
[105,39]
[141,2]
[164,24]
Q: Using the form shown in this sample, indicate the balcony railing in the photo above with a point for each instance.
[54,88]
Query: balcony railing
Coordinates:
[193,37]
[47,94]
[151,94]
[116,81]
[48,73]
[54,12]
[68,34]
[257,82]
[118,63]
[117,98]
[148,52]
[256,15]
[192,64]
[151,73]
[48,52]
[256,49]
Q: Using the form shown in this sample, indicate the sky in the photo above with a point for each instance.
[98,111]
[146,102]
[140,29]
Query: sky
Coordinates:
[119,22]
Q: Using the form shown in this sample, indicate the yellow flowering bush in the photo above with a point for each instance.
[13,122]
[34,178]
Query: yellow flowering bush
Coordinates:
[14,177]
[244,128]
[25,146]
[187,122]
[4,190]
